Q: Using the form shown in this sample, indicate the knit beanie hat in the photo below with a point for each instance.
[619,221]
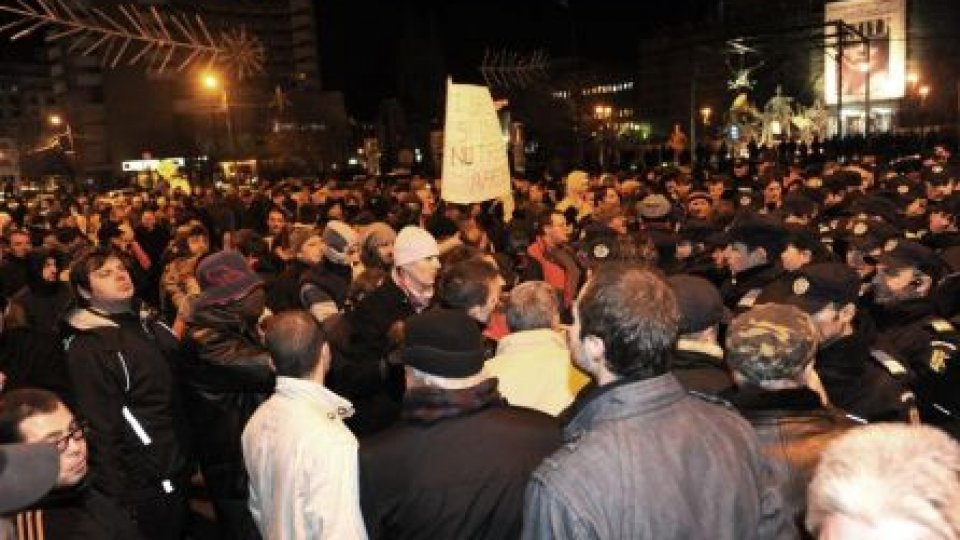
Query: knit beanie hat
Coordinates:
[224,277]
[413,244]
[338,238]
[375,236]
[443,342]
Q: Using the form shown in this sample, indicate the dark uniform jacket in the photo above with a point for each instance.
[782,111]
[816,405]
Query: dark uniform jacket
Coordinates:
[912,332]
[741,292]
[863,383]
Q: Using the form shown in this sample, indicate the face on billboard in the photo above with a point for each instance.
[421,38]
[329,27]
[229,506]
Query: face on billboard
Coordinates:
[883,22]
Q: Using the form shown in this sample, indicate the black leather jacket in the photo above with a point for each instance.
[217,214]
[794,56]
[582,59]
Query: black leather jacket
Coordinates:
[227,374]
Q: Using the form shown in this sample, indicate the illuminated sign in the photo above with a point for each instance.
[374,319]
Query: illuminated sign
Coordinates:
[139,165]
[884,23]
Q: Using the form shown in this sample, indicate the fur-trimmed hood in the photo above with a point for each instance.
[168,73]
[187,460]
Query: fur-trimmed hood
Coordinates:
[85,320]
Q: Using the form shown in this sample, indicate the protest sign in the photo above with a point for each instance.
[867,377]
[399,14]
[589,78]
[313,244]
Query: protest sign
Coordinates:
[475,165]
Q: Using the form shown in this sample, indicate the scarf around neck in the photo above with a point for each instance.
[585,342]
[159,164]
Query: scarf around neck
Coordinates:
[429,405]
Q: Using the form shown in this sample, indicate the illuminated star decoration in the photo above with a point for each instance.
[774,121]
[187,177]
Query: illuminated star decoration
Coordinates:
[505,69]
[160,39]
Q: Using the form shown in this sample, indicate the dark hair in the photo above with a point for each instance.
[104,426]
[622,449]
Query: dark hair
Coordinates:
[250,243]
[17,231]
[18,405]
[295,341]
[467,284]
[545,219]
[634,312]
[86,263]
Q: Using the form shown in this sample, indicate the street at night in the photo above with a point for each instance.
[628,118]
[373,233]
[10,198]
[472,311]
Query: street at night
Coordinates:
[424,269]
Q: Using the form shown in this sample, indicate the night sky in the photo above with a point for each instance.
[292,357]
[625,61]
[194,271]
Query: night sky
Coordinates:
[375,49]
[367,47]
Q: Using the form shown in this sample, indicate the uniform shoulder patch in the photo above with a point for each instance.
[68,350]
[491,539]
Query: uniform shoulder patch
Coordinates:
[749,299]
[942,326]
[891,364]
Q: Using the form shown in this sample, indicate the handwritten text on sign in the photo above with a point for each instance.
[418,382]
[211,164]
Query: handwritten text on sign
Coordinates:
[475,165]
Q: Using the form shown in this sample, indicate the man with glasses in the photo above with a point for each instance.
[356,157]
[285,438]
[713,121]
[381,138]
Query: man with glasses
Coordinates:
[74,508]
[558,262]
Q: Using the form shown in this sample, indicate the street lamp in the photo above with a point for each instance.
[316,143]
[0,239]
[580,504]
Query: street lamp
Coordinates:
[705,113]
[211,82]
[56,121]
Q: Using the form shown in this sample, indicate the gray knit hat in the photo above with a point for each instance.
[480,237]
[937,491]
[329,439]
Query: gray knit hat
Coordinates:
[338,239]
[376,235]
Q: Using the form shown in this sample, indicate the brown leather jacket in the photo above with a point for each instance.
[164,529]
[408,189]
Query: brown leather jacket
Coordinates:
[793,427]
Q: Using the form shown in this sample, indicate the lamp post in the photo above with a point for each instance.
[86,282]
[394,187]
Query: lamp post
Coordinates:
[602,113]
[923,92]
[57,121]
[864,68]
[211,82]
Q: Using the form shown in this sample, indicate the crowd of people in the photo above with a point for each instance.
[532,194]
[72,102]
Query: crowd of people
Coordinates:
[765,352]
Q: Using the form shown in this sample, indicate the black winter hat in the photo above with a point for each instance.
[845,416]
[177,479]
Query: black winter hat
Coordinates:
[444,343]
[699,301]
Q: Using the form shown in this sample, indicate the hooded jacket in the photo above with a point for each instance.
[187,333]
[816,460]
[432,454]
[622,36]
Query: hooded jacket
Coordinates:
[124,385]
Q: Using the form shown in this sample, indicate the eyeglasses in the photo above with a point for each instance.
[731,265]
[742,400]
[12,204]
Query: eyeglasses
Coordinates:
[78,431]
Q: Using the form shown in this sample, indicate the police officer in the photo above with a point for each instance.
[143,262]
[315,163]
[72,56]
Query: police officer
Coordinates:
[910,328]
[754,243]
[870,385]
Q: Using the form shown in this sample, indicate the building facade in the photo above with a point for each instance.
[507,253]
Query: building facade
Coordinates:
[124,113]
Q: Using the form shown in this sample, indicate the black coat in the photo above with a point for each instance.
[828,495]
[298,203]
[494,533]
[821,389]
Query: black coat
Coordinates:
[742,291]
[13,275]
[701,372]
[461,477]
[283,291]
[77,513]
[857,383]
[361,373]
[118,362]
[227,374]
[31,354]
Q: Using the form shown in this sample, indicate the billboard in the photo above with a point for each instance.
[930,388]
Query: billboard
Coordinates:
[884,23]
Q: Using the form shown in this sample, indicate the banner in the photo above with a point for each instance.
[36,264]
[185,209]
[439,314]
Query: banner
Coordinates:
[884,23]
[475,165]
